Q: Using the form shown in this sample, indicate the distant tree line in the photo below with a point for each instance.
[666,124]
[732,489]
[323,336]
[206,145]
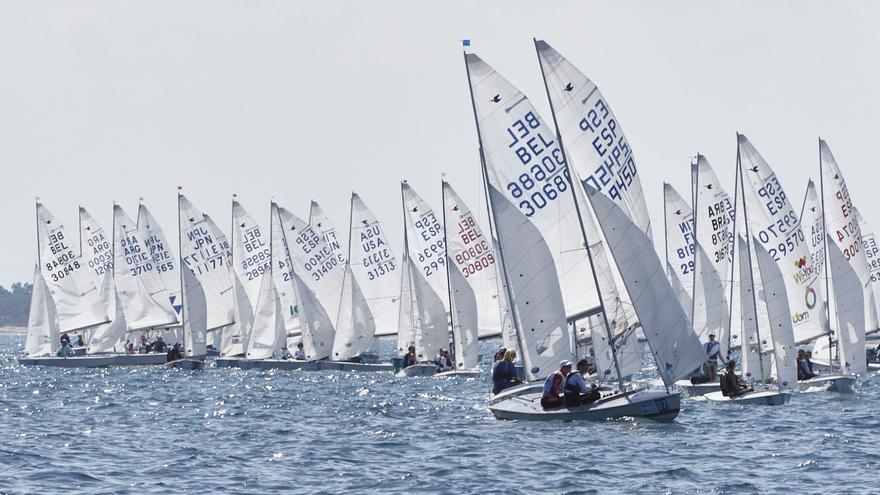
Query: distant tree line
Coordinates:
[15,305]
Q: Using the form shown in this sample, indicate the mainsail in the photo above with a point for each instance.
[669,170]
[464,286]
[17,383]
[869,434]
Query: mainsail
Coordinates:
[267,333]
[849,303]
[355,327]
[375,267]
[779,312]
[319,221]
[872,253]
[43,330]
[473,255]
[282,275]
[195,316]
[251,253]
[97,253]
[77,301]
[164,260]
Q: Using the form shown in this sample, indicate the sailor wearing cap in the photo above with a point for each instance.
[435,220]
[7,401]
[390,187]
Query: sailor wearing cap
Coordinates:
[713,352]
[553,384]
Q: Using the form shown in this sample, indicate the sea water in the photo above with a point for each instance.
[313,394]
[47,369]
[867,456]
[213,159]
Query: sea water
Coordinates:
[153,430]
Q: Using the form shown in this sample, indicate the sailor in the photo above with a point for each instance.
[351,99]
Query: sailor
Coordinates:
[807,363]
[731,385]
[159,346]
[174,353]
[65,349]
[300,353]
[65,338]
[444,364]
[591,361]
[499,356]
[143,347]
[553,384]
[438,358]
[800,365]
[285,353]
[576,392]
[410,358]
[79,341]
[504,372]
[713,352]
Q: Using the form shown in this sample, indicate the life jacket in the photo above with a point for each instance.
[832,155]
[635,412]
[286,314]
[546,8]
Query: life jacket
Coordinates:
[571,392]
[725,384]
[557,380]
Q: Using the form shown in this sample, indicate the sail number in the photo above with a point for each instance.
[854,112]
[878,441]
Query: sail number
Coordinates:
[476,255]
[546,174]
[433,255]
[617,168]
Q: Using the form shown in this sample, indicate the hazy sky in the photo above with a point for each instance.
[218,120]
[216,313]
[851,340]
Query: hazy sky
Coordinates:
[112,100]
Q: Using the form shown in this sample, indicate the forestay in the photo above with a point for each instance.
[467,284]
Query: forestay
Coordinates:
[164,259]
[375,267]
[594,141]
[134,271]
[473,256]
[779,312]
[774,223]
[77,302]
[205,253]
[849,303]
[43,327]
[843,227]
[526,165]
[677,350]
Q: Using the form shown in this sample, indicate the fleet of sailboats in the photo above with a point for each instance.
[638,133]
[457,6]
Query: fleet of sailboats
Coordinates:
[564,268]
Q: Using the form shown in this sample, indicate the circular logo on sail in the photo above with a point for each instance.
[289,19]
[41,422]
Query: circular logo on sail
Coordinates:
[810,298]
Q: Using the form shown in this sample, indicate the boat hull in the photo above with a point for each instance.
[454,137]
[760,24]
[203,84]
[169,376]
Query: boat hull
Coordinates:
[287,364]
[521,389]
[236,362]
[756,398]
[139,359]
[351,366]
[836,383]
[690,390]
[654,404]
[463,373]
[418,369]
[186,364]
[69,362]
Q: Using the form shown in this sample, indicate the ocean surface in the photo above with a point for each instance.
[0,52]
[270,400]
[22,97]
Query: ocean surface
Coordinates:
[152,430]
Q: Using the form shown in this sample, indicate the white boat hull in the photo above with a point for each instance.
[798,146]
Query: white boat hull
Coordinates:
[418,369]
[186,364]
[235,362]
[834,383]
[690,390]
[69,362]
[521,389]
[286,364]
[464,373]
[351,366]
[139,359]
[758,398]
[655,404]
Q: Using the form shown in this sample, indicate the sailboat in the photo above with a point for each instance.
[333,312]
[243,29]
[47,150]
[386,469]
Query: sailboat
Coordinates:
[469,265]
[65,298]
[519,154]
[424,322]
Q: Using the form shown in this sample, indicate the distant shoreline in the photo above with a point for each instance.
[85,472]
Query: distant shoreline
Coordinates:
[13,329]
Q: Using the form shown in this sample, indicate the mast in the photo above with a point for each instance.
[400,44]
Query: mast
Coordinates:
[695,184]
[37,222]
[182,267]
[751,272]
[665,236]
[825,263]
[516,323]
[408,269]
[731,243]
[577,208]
[446,262]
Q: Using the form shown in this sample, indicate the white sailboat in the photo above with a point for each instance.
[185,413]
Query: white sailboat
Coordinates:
[529,268]
[375,267]
[424,322]
[469,266]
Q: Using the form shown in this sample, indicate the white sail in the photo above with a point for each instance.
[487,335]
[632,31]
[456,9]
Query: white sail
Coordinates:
[508,329]
[375,267]
[872,253]
[195,316]
[205,252]
[267,332]
[465,319]
[251,253]
[355,327]
[406,316]
[165,261]
[77,302]
[317,328]
[750,353]
[678,288]
[96,248]
[320,222]
[282,274]
[677,350]
[43,330]
[315,262]
[779,312]
[110,336]
[524,162]
[713,218]
[627,347]
[843,227]
[680,239]
[425,241]
[472,255]
[773,221]
[234,338]
[849,303]
[135,272]
[594,141]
